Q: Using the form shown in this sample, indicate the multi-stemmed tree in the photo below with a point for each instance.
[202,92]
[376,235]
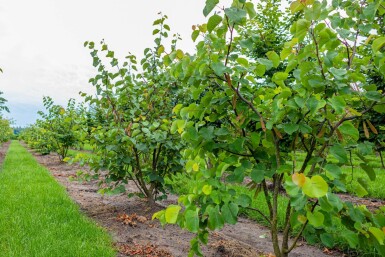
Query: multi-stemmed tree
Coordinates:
[131,135]
[254,115]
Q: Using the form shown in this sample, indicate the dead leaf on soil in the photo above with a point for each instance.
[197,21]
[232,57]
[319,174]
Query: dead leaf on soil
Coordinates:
[148,250]
[131,219]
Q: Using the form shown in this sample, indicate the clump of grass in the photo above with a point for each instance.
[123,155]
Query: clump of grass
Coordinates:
[37,218]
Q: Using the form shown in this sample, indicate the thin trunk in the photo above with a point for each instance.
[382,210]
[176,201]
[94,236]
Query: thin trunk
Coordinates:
[382,159]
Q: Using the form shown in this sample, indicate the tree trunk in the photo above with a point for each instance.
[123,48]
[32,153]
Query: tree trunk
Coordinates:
[382,159]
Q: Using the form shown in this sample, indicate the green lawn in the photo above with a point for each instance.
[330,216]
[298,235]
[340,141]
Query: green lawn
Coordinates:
[37,218]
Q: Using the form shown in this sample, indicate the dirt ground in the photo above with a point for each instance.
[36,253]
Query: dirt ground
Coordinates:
[129,222]
[3,151]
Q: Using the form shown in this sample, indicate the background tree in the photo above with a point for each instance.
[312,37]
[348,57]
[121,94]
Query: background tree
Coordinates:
[133,110]
[57,130]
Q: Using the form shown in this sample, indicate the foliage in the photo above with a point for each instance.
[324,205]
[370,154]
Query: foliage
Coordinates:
[264,87]
[3,107]
[56,130]
[6,131]
[248,121]
[133,112]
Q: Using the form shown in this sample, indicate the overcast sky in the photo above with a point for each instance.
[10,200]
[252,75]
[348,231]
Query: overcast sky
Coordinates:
[41,43]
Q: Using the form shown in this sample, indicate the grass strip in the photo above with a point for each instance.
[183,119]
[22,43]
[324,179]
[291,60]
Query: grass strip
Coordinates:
[37,217]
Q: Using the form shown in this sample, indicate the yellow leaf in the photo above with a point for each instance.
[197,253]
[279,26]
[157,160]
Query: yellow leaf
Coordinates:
[372,128]
[299,179]
[160,50]
[195,167]
[302,219]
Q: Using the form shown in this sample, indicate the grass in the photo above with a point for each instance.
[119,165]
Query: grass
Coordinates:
[37,218]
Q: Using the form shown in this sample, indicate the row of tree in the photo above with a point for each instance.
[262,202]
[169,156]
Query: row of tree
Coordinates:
[6,132]
[263,87]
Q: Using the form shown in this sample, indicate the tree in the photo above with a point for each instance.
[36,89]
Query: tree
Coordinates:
[5,130]
[56,131]
[131,133]
[247,121]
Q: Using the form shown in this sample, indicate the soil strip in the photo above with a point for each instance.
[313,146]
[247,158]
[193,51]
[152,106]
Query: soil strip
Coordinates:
[3,151]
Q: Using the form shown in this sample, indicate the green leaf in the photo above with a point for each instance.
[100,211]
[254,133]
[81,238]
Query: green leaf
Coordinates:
[290,128]
[209,6]
[350,237]
[110,54]
[300,29]
[160,49]
[338,103]
[215,220]
[327,239]
[249,6]
[339,153]
[258,173]
[316,219]
[332,171]
[369,171]
[373,95]
[192,221]
[378,43]
[247,43]
[348,129]
[379,108]
[338,73]
[260,70]
[315,187]
[267,63]
[279,78]
[378,234]
[230,213]
[364,148]
[235,15]
[360,190]
[304,128]
[243,200]
[207,189]
[213,22]
[274,57]
[171,213]
[194,35]
[219,68]
[255,139]
[296,6]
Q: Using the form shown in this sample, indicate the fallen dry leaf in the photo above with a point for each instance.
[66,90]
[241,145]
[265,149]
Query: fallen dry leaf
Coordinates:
[131,219]
[148,250]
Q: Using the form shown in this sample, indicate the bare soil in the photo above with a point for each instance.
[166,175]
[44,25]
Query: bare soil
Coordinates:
[3,151]
[129,222]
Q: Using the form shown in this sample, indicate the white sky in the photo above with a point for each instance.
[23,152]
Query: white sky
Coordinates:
[41,43]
